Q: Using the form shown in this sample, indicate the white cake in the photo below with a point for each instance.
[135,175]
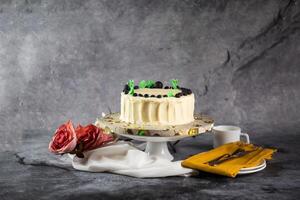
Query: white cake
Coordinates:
[153,106]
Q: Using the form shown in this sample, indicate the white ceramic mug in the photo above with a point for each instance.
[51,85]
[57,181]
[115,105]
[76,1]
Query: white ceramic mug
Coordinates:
[225,134]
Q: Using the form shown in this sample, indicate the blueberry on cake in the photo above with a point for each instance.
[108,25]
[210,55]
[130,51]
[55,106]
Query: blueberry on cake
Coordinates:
[151,103]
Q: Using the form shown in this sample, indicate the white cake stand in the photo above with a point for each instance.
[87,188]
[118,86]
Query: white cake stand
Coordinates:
[156,145]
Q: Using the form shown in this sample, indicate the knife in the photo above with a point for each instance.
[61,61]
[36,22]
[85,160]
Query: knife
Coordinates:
[237,155]
[224,156]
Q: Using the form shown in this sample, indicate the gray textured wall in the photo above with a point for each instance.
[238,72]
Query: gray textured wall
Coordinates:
[69,59]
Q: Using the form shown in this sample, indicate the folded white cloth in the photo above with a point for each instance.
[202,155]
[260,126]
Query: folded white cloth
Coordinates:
[123,158]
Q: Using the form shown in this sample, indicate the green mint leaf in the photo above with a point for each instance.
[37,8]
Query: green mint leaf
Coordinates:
[149,83]
[142,84]
[170,94]
[141,132]
[174,83]
[131,86]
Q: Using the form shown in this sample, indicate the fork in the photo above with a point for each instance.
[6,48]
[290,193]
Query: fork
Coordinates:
[237,155]
[224,156]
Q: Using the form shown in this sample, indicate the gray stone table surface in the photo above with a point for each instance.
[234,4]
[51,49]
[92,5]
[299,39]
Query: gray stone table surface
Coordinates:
[31,172]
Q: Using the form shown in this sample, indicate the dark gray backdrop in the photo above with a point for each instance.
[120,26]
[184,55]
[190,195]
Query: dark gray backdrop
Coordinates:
[64,59]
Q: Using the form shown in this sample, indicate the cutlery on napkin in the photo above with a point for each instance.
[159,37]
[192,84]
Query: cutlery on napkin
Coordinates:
[228,159]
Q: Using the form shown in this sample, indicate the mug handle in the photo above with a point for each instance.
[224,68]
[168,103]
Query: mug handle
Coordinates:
[246,136]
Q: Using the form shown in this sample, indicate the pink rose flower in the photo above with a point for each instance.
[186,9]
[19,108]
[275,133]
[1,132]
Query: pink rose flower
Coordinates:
[64,139]
[92,137]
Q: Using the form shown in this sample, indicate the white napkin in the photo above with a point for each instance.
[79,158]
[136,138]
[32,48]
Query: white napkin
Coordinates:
[123,158]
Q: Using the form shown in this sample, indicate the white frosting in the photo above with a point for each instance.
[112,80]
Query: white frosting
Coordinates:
[157,111]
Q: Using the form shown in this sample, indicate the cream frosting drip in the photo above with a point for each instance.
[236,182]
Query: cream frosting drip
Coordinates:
[157,111]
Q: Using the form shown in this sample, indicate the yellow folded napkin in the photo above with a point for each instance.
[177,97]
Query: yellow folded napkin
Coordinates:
[231,167]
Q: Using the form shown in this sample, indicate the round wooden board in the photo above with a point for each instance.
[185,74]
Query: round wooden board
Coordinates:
[112,123]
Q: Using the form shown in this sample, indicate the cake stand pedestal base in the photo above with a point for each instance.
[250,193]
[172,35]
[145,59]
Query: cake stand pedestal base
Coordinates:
[159,149]
[156,146]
